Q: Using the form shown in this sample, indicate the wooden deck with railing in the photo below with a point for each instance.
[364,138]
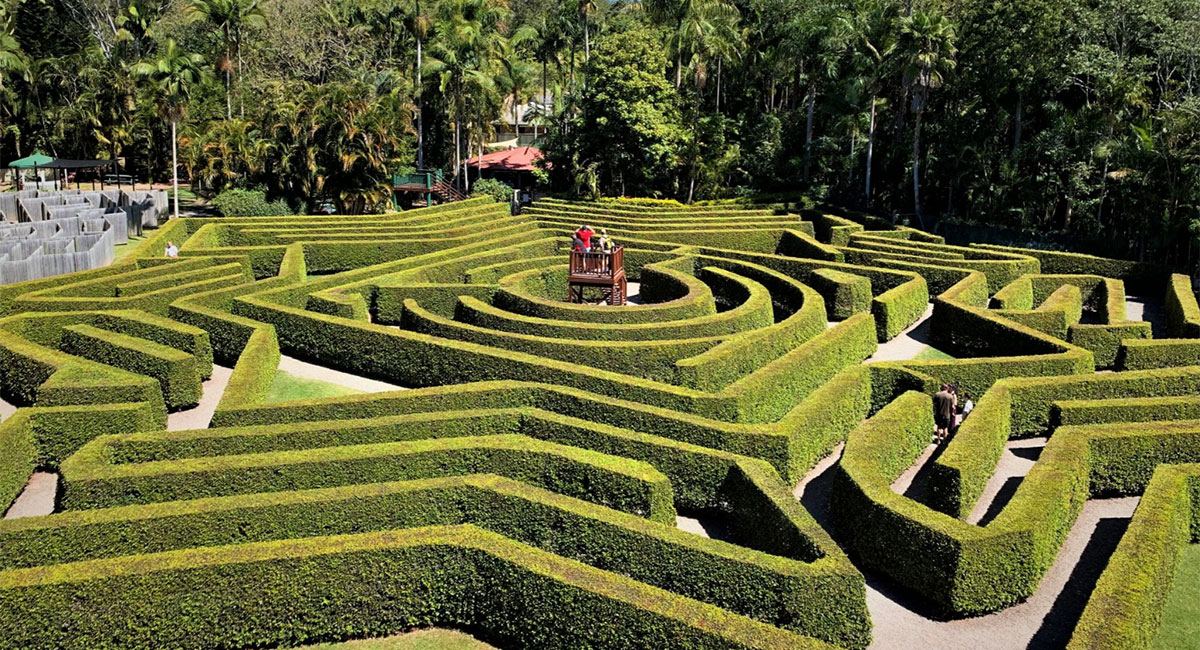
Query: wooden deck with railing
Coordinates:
[604,270]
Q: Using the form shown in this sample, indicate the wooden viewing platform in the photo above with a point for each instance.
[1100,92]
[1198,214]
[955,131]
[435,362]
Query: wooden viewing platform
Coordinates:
[603,271]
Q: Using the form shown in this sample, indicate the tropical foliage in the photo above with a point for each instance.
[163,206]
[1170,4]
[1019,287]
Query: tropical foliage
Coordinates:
[1078,117]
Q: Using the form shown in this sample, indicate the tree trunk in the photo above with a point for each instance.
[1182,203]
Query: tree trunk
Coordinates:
[457,146]
[1017,123]
[241,99]
[678,70]
[719,61]
[870,148]
[916,152]
[850,166]
[420,112]
[175,166]
[808,129]
[587,50]
[466,163]
[228,85]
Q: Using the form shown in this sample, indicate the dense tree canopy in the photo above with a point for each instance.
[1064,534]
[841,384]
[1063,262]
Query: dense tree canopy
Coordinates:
[1070,116]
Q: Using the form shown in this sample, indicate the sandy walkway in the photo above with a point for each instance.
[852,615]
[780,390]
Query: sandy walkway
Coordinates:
[633,293]
[906,344]
[37,498]
[200,415]
[6,410]
[321,373]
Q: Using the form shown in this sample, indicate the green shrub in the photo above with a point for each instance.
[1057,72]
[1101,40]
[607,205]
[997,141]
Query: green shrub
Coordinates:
[499,192]
[248,203]
[617,483]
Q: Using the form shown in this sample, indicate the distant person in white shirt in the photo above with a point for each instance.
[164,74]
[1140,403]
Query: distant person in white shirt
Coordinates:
[172,249]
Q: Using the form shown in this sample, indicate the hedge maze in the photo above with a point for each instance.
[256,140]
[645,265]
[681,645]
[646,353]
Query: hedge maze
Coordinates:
[525,485]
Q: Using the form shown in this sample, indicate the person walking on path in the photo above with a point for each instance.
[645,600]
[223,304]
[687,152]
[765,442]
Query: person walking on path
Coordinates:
[172,250]
[943,413]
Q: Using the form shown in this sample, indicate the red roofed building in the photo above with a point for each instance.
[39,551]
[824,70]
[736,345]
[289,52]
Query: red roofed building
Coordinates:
[513,166]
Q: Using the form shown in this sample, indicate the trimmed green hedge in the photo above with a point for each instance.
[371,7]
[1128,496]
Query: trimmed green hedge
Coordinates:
[970,570]
[1158,353]
[1126,604]
[349,586]
[90,482]
[845,293]
[1126,409]
[765,587]
[1180,307]
[1023,407]
[1142,277]
[177,372]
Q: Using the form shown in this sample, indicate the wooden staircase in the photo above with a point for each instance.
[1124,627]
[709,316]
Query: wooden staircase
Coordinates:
[446,191]
[426,182]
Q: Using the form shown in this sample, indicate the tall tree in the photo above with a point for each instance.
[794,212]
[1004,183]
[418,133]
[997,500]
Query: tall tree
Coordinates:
[927,47]
[233,19]
[874,33]
[172,77]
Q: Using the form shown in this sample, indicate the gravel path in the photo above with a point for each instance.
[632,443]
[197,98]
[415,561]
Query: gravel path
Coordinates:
[200,415]
[1019,457]
[906,344]
[6,410]
[37,498]
[321,373]
[1148,309]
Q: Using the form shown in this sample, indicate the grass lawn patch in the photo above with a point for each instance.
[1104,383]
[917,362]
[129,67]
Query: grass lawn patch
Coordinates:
[287,387]
[430,639]
[1180,629]
[931,354]
[123,251]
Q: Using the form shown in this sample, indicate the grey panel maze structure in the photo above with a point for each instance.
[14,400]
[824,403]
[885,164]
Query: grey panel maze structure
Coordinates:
[49,233]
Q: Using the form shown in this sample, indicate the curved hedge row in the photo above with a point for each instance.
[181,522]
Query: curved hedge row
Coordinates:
[529,457]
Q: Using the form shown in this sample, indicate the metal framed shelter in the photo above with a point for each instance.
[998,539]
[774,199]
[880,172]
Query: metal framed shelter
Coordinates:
[41,161]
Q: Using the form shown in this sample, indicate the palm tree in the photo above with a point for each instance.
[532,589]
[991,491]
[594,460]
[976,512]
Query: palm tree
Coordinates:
[172,76]
[874,30]
[419,26]
[927,48]
[232,18]
[12,59]
[461,54]
[587,8]
[819,37]
[516,73]
[12,64]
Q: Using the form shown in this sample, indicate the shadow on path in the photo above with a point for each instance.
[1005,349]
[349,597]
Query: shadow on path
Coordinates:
[1060,622]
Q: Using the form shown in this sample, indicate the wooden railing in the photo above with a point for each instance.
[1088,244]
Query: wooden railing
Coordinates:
[597,265]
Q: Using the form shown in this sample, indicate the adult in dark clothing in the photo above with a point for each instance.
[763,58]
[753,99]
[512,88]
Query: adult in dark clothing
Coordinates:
[943,413]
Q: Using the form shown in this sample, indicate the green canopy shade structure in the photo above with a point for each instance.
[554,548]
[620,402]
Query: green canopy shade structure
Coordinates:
[38,159]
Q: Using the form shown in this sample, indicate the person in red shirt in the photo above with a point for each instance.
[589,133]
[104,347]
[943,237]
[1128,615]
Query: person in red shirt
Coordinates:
[585,233]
